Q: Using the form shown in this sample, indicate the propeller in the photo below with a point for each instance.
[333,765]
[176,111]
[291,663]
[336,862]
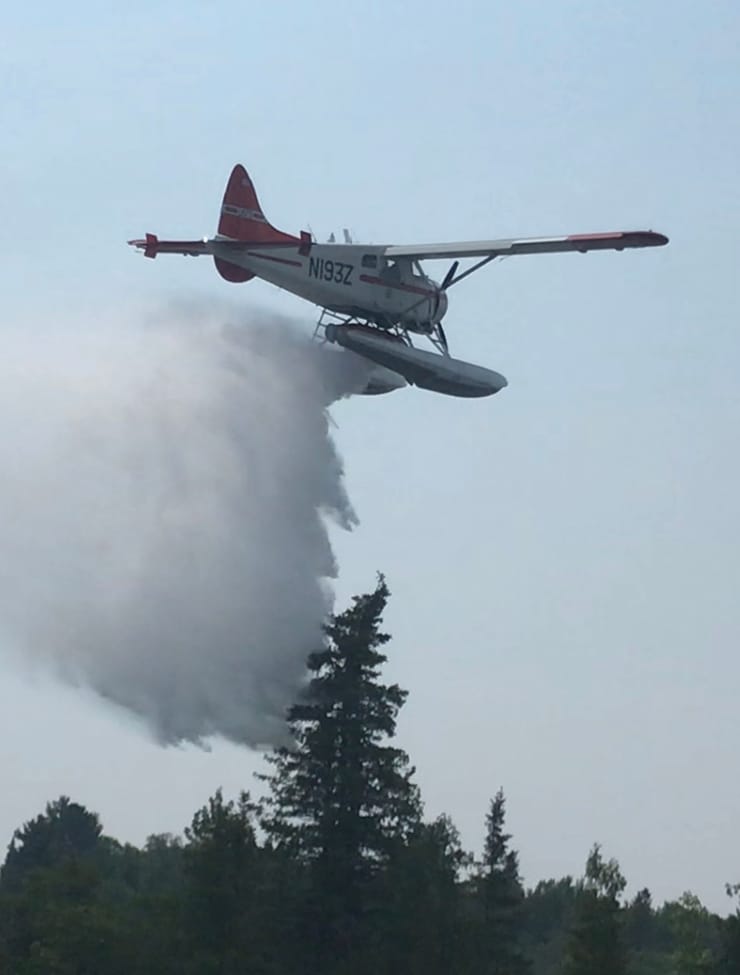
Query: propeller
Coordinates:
[447,281]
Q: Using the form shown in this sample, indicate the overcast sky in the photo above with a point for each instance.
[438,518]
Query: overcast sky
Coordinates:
[563,557]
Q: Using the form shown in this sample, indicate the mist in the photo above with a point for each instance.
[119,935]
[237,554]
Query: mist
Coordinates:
[166,491]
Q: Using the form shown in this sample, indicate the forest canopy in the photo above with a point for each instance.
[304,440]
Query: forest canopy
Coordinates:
[335,869]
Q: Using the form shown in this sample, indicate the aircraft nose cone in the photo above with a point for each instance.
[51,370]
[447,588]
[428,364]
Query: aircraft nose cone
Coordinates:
[441,309]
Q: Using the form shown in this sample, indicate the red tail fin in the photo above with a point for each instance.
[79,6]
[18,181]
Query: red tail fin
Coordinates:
[241,214]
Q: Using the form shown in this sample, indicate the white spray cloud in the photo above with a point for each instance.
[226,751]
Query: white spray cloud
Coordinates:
[164,492]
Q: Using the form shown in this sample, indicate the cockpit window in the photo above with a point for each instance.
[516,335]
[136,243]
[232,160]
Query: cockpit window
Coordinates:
[369,260]
[391,272]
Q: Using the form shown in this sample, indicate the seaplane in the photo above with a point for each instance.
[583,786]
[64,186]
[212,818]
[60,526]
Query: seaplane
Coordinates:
[373,297]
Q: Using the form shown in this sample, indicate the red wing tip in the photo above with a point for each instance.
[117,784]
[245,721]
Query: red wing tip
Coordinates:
[148,245]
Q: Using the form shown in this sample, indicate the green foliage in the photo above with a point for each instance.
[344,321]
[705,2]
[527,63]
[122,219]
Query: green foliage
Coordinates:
[693,931]
[58,920]
[161,869]
[232,892]
[500,896]
[729,952]
[342,800]
[335,872]
[548,913]
[64,831]
[604,878]
[342,788]
[595,942]
[647,938]
[640,921]
[418,922]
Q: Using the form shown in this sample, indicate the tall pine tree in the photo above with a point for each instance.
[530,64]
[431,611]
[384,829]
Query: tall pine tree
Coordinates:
[343,798]
[500,897]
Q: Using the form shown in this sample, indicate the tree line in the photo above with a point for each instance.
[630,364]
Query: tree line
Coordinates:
[335,870]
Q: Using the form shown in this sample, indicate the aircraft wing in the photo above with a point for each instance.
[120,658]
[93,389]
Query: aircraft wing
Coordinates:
[530,245]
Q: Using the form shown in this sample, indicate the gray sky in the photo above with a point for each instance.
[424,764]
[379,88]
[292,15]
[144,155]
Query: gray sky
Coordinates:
[563,557]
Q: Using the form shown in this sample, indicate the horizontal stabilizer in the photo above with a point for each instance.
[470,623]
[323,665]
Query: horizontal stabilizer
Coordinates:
[152,245]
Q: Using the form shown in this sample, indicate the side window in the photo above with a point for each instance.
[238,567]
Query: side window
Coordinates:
[369,260]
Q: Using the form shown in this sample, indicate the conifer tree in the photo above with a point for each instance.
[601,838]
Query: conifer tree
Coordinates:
[343,798]
[421,923]
[501,898]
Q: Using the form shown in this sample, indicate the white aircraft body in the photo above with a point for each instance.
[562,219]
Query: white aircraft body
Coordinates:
[373,297]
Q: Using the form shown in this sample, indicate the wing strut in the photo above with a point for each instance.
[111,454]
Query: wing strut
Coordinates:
[455,278]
